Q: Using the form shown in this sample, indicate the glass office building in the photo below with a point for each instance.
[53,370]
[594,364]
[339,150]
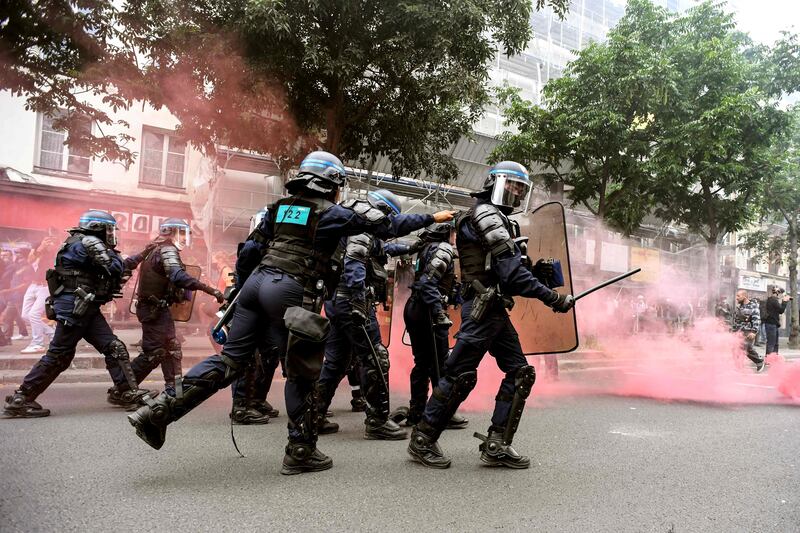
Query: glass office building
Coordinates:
[553,45]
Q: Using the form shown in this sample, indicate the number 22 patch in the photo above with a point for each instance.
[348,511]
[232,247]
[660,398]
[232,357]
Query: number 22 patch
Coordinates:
[293,214]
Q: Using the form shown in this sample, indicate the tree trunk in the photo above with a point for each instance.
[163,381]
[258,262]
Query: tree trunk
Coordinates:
[794,308]
[598,244]
[712,270]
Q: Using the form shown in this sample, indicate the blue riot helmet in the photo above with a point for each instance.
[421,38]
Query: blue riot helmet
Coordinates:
[386,201]
[178,231]
[101,224]
[255,220]
[507,186]
[319,172]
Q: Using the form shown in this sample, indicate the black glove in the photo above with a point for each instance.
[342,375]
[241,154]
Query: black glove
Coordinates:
[213,292]
[359,314]
[149,248]
[543,270]
[126,275]
[416,246]
[441,320]
[561,303]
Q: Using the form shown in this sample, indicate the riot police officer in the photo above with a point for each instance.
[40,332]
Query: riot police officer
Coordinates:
[354,326]
[493,271]
[427,323]
[163,281]
[88,273]
[250,405]
[279,304]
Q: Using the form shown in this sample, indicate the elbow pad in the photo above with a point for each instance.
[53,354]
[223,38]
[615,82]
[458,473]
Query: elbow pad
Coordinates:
[358,247]
[441,259]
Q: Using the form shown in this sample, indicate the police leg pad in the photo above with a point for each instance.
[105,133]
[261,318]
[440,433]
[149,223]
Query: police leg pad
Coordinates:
[523,383]
[305,349]
[457,392]
[119,352]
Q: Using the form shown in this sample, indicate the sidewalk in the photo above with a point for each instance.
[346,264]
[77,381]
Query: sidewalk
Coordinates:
[89,366]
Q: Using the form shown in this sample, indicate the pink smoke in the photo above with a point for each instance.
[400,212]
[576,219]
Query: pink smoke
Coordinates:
[701,362]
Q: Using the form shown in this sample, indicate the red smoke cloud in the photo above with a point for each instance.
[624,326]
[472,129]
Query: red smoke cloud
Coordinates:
[703,362]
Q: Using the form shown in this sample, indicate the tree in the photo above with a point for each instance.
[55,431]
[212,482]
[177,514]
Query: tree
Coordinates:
[715,135]
[53,51]
[781,203]
[357,78]
[596,129]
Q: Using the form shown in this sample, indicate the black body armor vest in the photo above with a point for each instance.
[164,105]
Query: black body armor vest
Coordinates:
[154,284]
[92,281]
[294,228]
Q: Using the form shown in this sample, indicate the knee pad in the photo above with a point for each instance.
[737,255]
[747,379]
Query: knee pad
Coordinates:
[459,387]
[117,350]
[524,380]
[155,356]
[174,349]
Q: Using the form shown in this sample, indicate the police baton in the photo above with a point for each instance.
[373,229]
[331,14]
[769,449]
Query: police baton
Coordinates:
[606,283]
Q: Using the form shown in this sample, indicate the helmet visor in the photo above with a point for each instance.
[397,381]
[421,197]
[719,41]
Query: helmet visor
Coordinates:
[181,235]
[111,235]
[512,192]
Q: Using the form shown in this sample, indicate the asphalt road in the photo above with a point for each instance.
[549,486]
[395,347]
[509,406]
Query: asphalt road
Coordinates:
[601,463]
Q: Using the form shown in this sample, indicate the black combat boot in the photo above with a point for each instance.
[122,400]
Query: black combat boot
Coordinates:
[358,404]
[19,406]
[129,399]
[425,450]
[244,415]
[495,453]
[399,415]
[151,420]
[383,430]
[326,427]
[301,457]
[457,422]
[265,408]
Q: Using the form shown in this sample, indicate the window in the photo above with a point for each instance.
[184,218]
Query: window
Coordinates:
[163,158]
[56,156]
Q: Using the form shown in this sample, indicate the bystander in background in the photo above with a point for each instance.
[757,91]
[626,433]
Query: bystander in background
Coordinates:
[776,305]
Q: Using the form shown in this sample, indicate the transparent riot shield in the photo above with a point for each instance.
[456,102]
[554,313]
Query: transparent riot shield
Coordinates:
[541,331]
[403,279]
[384,311]
[182,311]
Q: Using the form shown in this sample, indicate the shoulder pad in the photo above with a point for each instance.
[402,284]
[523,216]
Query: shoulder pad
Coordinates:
[171,259]
[440,261]
[365,210]
[492,229]
[358,247]
[97,250]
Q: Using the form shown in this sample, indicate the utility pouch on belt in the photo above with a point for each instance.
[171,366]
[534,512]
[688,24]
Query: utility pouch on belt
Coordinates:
[54,285]
[49,311]
[305,349]
[483,299]
[82,301]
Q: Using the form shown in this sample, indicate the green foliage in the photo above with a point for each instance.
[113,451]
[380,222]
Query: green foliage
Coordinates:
[672,115]
[358,78]
[596,130]
[715,136]
[53,51]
